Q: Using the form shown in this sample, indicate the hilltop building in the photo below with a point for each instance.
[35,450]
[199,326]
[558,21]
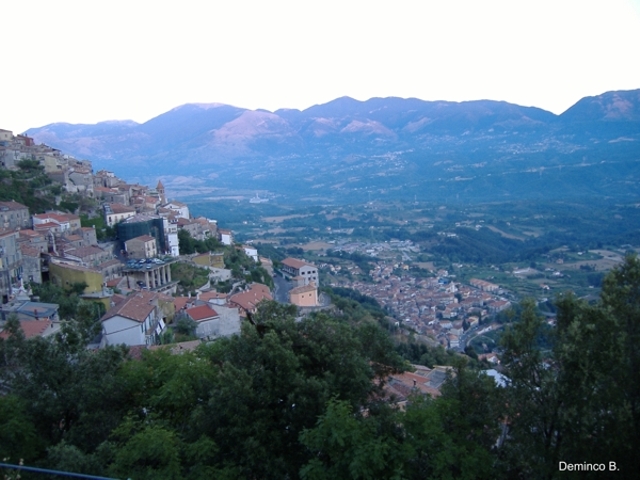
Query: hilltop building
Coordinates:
[225,236]
[139,319]
[248,301]
[143,246]
[14,215]
[180,209]
[300,271]
[138,225]
[484,285]
[10,262]
[66,274]
[117,212]
[304,295]
[161,193]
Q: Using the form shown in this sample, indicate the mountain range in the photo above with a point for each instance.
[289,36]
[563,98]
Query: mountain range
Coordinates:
[350,150]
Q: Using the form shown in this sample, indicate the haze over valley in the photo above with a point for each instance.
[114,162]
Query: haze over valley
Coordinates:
[349,151]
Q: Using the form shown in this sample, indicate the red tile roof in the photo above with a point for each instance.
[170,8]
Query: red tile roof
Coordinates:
[181,302]
[45,226]
[13,205]
[144,238]
[31,328]
[114,282]
[30,233]
[303,289]
[211,295]
[201,313]
[250,299]
[136,307]
[120,208]
[29,251]
[294,263]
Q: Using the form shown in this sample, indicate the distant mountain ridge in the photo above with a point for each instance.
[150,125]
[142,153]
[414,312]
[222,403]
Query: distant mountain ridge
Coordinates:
[401,140]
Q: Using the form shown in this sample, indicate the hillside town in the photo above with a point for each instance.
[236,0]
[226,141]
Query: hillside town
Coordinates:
[436,307]
[131,277]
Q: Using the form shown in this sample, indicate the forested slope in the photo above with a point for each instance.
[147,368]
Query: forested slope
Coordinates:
[287,399]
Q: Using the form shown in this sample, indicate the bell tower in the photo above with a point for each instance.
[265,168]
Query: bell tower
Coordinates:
[160,189]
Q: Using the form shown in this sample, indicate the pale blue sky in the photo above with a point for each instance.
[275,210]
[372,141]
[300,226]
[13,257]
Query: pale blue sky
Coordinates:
[85,62]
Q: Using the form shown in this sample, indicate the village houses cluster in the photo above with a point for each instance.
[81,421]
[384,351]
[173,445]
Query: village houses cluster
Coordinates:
[434,306]
[131,277]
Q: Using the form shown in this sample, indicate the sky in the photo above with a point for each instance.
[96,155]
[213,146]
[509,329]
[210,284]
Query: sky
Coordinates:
[86,62]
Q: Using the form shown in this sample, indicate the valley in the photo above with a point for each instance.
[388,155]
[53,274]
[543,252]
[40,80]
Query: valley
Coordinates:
[528,248]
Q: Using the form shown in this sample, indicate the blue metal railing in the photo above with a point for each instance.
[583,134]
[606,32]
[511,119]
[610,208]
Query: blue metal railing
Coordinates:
[53,472]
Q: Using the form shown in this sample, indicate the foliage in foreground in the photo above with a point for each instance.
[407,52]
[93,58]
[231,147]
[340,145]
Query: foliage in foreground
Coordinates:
[289,399]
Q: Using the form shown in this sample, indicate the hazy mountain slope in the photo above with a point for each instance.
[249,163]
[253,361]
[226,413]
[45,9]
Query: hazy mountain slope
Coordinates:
[346,147]
[608,107]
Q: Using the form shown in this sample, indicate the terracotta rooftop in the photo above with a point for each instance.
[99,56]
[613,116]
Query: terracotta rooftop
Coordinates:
[182,302]
[29,251]
[31,328]
[135,307]
[303,289]
[175,203]
[12,205]
[143,238]
[120,208]
[402,384]
[202,312]
[27,232]
[212,295]
[295,263]
[46,226]
[184,221]
[114,282]
[250,299]
[57,217]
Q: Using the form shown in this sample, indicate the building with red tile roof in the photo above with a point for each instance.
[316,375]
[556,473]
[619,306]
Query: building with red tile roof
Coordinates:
[137,320]
[201,313]
[213,297]
[32,328]
[248,301]
[209,322]
[302,271]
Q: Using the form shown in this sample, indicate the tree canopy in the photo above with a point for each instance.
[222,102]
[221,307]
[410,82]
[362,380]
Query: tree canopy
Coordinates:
[301,398]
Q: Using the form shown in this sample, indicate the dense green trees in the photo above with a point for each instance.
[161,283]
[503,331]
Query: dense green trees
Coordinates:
[234,407]
[579,400]
[245,268]
[29,185]
[449,437]
[189,245]
[189,275]
[301,399]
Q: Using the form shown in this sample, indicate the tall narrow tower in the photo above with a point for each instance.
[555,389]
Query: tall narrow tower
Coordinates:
[160,189]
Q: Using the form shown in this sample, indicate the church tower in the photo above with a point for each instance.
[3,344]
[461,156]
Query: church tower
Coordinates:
[160,190]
